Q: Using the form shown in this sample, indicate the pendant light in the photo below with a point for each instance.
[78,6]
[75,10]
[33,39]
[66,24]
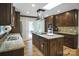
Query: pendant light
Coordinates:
[40,14]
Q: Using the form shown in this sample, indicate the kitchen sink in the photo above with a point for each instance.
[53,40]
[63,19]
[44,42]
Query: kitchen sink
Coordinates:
[12,38]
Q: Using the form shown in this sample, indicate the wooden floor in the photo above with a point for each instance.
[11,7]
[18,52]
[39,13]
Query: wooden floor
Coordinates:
[31,50]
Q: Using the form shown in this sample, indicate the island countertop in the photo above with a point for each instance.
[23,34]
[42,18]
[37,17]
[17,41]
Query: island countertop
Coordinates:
[49,36]
[9,45]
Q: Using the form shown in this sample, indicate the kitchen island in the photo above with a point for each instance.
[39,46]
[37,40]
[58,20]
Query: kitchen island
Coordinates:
[49,45]
[13,45]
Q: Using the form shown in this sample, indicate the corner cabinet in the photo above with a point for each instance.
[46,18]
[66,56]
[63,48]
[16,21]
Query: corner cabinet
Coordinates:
[16,22]
[5,13]
[48,47]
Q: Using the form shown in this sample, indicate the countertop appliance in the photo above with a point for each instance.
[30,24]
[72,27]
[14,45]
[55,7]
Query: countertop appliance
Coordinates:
[50,30]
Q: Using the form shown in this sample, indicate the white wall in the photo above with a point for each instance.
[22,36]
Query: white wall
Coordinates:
[25,27]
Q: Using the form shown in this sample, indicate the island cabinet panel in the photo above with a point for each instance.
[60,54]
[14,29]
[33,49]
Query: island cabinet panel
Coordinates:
[43,45]
[40,43]
[49,47]
[56,47]
[5,13]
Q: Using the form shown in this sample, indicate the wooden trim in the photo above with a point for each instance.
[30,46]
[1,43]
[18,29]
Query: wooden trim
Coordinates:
[28,16]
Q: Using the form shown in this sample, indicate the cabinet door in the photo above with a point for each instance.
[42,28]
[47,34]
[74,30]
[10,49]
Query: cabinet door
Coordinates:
[46,24]
[36,40]
[59,46]
[16,23]
[44,46]
[49,20]
[52,48]
[67,19]
[5,13]
[70,41]
[56,47]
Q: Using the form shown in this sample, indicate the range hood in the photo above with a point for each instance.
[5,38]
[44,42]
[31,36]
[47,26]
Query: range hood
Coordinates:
[40,14]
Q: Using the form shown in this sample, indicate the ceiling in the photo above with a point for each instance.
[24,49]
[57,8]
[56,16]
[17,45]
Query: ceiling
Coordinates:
[27,9]
[62,8]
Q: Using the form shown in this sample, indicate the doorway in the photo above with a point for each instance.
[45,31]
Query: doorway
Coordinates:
[30,29]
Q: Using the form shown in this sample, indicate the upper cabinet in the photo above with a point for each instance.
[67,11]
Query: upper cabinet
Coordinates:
[69,18]
[66,19]
[5,13]
[16,22]
[48,20]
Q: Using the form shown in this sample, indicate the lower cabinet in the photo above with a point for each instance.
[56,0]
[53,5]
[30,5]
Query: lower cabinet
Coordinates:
[43,46]
[56,47]
[49,47]
[71,41]
[17,52]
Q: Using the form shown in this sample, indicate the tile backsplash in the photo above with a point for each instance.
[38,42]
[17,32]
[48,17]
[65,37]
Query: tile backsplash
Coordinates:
[68,29]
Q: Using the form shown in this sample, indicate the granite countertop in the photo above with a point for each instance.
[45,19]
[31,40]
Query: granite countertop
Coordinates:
[49,36]
[69,33]
[9,45]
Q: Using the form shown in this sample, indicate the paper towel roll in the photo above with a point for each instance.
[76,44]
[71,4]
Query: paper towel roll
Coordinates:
[7,28]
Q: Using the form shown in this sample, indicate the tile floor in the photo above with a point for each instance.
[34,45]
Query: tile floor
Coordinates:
[31,50]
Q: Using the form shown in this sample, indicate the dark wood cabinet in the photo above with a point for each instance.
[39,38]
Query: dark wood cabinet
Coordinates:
[49,47]
[5,13]
[65,19]
[48,20]
[71,41]
[68,18]
[17,52]
[41,44]
[16,22]
[56,47]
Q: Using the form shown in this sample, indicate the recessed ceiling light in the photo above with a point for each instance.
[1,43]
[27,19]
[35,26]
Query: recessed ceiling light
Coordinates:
[49,6]
[28,12]
[58,11]
[67,13]
[33,5]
